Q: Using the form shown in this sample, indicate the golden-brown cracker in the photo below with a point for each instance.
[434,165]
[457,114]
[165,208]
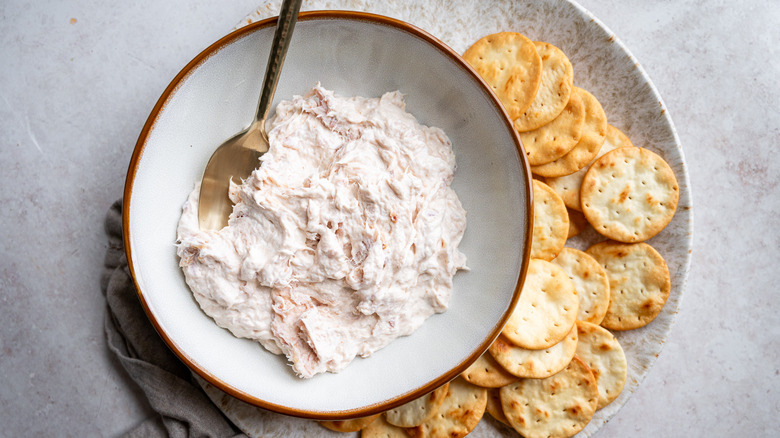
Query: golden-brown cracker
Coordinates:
[553,140]
[591,283]
[617,138]
[639,283]
[415,412]
[551,223]
[487,373]
[494,408]
[601,351]
[554,91]
[380,428]
[510,64]
[352,425]
[558,406]
[535,364]
[458,415]
[629,194]
[594,131]
[568,187]
[546,309]
[577,222]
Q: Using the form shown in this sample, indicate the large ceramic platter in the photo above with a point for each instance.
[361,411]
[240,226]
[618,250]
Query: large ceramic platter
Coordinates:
[603,66]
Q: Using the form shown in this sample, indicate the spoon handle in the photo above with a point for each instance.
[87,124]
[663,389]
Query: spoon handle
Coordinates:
[288,15]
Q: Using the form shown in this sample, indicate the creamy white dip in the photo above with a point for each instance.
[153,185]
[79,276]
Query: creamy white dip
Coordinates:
[345,237]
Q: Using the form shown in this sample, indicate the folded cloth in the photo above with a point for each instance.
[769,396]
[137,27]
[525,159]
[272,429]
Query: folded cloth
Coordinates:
[183,408]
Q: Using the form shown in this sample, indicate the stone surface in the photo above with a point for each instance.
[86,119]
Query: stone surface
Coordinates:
[79,79]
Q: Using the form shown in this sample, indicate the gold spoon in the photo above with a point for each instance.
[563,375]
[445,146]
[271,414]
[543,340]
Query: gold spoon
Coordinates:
[239,155]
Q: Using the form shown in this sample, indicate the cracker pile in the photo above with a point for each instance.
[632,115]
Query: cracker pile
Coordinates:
[452,410]
[587,174]
[556,362]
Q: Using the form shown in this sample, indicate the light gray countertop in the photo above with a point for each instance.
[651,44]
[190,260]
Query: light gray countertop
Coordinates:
[79,78]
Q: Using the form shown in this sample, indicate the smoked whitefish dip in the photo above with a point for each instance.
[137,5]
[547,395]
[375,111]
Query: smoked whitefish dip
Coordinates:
[343,239]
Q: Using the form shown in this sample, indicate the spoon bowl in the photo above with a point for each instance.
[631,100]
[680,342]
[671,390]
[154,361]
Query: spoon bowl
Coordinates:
[238,156]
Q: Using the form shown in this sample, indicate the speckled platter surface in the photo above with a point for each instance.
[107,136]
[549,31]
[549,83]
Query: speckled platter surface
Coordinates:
[603,66]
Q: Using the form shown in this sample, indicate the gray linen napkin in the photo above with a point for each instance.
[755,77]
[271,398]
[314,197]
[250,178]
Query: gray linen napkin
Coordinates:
[184,409]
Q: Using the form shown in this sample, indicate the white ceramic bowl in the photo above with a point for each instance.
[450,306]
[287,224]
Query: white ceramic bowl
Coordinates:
[215,95]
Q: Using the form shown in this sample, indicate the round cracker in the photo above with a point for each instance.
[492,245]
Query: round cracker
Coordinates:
[600,349]
[494,408]
[510,64]
[546,309]
[352,425]
[568,187]
[551,223]
[488,373]
[458,415]
[554,90]
[415,412]
[629,194]
[577,222]
[553,140]
[639,283]
[591,283]
[558,406]
[594,131]
[380,428]
[535,364]
[617,138]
